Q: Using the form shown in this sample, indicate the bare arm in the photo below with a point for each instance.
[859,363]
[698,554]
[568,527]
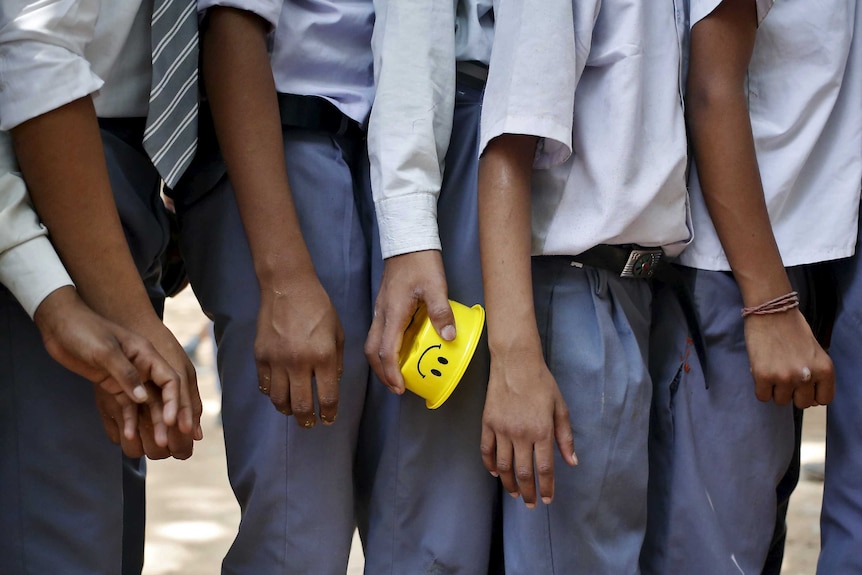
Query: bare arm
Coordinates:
[779,345]
[299,334]
[61,157]
[524,410]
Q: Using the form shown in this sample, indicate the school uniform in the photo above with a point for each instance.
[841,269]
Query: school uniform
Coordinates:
[718,453]
[599,84]
[419,468]
[294,485]
[63,484]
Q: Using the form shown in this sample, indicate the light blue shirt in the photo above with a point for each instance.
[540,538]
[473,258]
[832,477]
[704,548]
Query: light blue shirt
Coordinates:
[319,48]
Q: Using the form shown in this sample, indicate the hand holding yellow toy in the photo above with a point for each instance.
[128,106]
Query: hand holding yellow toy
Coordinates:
[432,366]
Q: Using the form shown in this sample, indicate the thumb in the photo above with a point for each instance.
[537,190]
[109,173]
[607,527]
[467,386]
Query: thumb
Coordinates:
[563,433]
[441,315]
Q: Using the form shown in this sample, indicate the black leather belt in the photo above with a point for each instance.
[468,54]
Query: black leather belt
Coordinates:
[628,261]
[315,113]
[637,262]
[472,74]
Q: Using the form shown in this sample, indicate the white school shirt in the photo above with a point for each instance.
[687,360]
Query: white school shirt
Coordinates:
[805,100]
[29,266]
[53,52]
[599,82]
[319,48]
[416,46]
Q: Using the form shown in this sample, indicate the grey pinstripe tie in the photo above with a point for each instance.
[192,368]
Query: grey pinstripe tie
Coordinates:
[170,137]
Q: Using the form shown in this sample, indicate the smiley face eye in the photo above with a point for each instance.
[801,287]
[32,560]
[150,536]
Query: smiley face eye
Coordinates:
[442,361]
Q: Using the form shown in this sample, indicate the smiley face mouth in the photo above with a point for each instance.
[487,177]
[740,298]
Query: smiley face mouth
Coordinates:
[442,360]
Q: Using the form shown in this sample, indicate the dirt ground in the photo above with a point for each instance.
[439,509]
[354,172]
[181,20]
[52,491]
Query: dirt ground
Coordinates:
[192,515]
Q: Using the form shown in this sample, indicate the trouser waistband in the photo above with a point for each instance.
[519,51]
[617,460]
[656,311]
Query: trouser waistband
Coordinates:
[315,113]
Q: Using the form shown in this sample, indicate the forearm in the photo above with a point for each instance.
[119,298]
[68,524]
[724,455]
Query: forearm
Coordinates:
[724,150]
[244,104]
[504,234]
[61,157]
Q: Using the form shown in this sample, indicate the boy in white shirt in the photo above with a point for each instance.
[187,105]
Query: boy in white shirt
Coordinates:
[76,111]
[582,127]
[769,161]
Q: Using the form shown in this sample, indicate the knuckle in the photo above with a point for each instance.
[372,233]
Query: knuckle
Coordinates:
[371,350]
[101,353]
[486,449]
[504,466]
[328,401]
[439,310]
[302,408]
[385,355]
[278,398]
[523,473]
[544,468]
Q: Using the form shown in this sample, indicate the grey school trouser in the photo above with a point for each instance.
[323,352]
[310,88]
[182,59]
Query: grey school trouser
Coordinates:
[841,516]
[717,454]
[69,502]
[426,501]
[294,485]
[594,327]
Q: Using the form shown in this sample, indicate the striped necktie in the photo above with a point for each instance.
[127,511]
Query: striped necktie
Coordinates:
[170,137]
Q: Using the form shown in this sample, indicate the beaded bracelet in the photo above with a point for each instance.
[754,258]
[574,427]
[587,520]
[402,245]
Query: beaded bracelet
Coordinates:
[777,305]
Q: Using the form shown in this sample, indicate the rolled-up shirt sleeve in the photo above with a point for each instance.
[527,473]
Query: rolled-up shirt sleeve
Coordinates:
[269,10]
[29,266]
[42,63]
[540,50]
[700,9]
[411,120]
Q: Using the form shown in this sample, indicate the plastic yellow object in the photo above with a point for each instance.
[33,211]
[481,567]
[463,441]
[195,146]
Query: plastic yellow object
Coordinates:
[432,366]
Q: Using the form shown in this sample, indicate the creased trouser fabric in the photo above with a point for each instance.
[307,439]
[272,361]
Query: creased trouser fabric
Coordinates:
[595,329]
[427,502]
[63,484]
[717,454]
[294,486]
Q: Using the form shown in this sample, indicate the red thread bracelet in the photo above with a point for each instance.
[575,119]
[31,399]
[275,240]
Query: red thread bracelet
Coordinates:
[777,305]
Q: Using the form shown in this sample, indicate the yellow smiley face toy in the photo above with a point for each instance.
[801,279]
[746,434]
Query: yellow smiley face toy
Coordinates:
[432,366]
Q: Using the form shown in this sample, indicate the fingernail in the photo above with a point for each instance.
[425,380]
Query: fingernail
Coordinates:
[575,457]
[495,474]
[448,333]
[546,500]
[531,505]
[140,393]
[515,494]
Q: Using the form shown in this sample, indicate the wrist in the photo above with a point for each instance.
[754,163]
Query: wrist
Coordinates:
[779,304]
[53,308]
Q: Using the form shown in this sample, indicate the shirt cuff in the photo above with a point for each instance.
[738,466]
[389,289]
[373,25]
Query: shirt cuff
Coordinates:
[57,75]
[408,224]
[32,271]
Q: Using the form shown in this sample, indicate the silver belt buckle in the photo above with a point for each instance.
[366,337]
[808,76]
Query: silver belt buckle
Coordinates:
[642,263]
